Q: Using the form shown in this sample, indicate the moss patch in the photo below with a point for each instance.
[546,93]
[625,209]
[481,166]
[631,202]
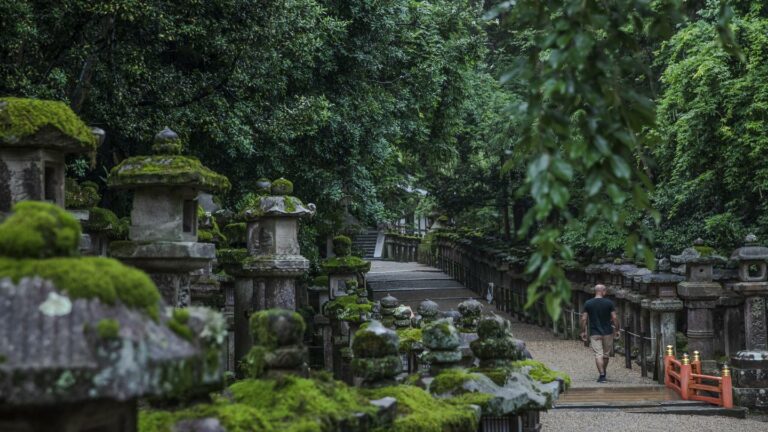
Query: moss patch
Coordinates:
[451,381]
[289,404]
[264,326]
[347,264]
[282,186]
[231,256]
[321,281]
[178,323]
[540,372]
[90,277]
[21,117]
[37,229]
[166,170]
[408,338]
[108,328]
[346,308]
[418,411]
[101,219]
[80,196]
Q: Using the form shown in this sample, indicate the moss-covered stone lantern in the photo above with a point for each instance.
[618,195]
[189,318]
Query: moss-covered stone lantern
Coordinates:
[35,138]
[84,337]
[266,273]
[163,231]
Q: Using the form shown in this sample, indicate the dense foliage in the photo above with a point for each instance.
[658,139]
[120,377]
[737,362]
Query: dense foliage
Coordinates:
[584,128]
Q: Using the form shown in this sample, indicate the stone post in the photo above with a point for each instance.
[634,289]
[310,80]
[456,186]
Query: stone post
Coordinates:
[376,359]
[442,341]
[343,268]
[700,294]
[163,231]
[753,285]
[750,366]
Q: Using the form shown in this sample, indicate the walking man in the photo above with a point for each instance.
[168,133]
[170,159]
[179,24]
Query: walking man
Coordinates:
[603,324]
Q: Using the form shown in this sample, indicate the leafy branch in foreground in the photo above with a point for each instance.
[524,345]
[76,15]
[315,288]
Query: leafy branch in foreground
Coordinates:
[587,107]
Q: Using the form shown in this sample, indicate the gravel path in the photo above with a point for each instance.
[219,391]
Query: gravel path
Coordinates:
[617,421]
[573,358]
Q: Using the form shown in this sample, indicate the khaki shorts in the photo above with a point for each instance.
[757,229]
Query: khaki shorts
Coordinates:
[601,345]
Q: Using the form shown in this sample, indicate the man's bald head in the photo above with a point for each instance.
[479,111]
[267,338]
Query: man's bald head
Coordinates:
[600,289]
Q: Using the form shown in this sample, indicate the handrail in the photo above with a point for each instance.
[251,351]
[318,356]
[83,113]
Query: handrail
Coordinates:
[684,377]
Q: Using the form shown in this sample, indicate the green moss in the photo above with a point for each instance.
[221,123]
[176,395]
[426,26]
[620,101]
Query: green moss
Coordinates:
[231,256]
[408,338]
[282,186]
[178,323]
[346,308]
[235,233]
[418,411]
[204,236]
[166,170]
[321,280]
[291,203]
[497,375]
[108,328]
[347,264]
[290,404]
[101,219]
[80,196]
[540,372]
[90,277]
[451,381]
[263,327]
[342,246]
[471,398]
[37,229]
[705,251]
[20,118]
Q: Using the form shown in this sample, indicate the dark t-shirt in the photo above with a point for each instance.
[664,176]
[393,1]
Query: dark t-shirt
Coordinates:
[599,312]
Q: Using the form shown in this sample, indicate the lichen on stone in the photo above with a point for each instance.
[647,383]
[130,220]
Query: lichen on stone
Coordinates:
[21,118]
[540,372]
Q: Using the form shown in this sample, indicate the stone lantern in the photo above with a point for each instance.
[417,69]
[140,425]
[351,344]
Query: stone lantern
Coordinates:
[163,231]
[266,274]
[83,338]
[343,268]
[753,285]
[700,294]
[35,138]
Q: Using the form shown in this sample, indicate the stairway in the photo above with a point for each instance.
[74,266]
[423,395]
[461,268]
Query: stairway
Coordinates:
[366,242]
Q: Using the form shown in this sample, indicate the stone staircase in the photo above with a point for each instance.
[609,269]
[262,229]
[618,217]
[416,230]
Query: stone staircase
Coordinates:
[366,242]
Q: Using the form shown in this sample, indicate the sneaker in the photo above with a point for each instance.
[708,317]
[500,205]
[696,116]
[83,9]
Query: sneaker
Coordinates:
[601,379]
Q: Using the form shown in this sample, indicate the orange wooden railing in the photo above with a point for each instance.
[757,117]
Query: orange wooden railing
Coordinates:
[684,377]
